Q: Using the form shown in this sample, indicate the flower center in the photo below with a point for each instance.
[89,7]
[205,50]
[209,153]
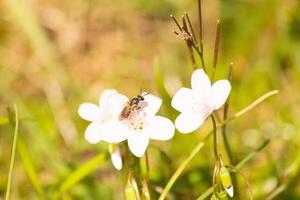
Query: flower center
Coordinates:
[137,120]
[199,107]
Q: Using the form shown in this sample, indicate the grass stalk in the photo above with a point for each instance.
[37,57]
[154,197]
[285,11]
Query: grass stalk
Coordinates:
[13,154]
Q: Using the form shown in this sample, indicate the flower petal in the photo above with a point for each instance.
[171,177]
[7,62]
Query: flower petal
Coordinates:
[153,104]
[138,143]
[89,112]
[160,128]
[183,100]
[116,159]
[103,100]
[229,191]
[114,132]
[201,83]
[220,93]
[93,133]
[188,122]
[116,103]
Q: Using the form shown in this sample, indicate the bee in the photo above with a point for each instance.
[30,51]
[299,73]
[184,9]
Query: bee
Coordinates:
[132,106]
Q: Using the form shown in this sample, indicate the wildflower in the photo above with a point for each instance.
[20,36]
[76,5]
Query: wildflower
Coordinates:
[197,103]
[141,125]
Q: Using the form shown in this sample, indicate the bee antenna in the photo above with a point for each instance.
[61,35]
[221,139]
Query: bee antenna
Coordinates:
[141,90]
[146,94]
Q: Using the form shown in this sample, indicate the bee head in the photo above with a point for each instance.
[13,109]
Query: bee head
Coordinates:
[140,97]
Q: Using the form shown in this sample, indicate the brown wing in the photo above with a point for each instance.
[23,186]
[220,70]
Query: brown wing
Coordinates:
[125,113]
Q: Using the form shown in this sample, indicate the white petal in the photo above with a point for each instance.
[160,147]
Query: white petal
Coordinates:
[229,191]
[201,83]
[116,103]
[153,104]
[90,112]
[103,100]
[188,122]
[183,100]
[93,133]
[138,143]
[114,132]
[160,128]
[220,93]
[116,159]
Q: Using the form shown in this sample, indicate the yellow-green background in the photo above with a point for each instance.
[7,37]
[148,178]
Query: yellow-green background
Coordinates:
[57,54]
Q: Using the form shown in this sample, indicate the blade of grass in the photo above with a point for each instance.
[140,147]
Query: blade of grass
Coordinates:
[13,154]
[237,167]
[27,163]
[159,79]
[179,171]
[26,160]
[80,173]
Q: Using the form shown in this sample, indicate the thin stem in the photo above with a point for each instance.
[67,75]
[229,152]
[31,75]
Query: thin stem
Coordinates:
[225,139]
[189,42]
[255,103]
[13,154]
[216,51]
[200,25]
[179,171]
[215,137]
[201,34]
[176,22]
[200,55]
[276,192]
[191,28]
[147,165]
[145,176]
[249,107]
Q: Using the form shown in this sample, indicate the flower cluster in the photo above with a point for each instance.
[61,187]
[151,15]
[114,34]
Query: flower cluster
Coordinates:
[118,118]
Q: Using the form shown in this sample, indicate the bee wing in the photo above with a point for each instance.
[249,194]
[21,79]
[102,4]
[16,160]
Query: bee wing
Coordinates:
[125,112]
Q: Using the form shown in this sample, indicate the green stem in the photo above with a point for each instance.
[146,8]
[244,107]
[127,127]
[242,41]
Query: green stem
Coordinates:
[179,171]
[249,107]
[215,137]
[13,154]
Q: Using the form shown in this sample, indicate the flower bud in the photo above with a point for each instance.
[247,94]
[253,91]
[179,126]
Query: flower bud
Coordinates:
[131,190]
[115,155]
[226,180]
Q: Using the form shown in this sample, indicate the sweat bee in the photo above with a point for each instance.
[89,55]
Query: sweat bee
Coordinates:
[132,106]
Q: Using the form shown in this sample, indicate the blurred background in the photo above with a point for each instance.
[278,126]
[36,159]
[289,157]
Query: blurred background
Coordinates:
[56,54]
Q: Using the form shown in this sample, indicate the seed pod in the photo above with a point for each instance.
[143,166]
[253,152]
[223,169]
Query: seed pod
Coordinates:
[226,180]
[145,190]
[131,190]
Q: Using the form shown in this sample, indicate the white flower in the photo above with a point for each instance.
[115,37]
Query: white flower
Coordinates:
[141,126]
[138,128]
[99,116]
[197,103]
